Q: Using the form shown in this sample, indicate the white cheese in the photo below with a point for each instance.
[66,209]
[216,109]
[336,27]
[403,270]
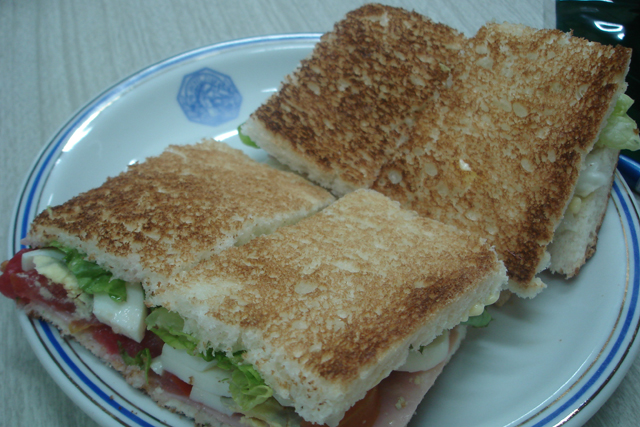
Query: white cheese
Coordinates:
[126,318]
[156,366]
[592,176]
[214,381]
[430,356]
[50,263]
[211,400]
[171,356]
[194,370]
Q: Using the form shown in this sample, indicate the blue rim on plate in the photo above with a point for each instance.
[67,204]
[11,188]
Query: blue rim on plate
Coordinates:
[110,407]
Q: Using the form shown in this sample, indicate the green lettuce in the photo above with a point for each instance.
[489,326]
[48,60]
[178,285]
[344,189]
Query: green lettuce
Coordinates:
[245,139]
[168,326]
[479,321]
[621,132]
[92,278]
[247,387]
[142,360]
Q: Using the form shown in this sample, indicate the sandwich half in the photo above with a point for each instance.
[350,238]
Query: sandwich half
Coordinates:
[496,132]
[87,257]
[355,308]
[502,152]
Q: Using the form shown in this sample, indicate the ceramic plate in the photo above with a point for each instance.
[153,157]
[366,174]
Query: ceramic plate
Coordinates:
[549,361]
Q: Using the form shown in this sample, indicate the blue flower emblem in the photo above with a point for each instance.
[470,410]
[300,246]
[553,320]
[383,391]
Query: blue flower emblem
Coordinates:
[209,97]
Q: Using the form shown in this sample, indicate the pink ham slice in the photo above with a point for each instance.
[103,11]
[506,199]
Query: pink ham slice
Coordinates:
[402,392]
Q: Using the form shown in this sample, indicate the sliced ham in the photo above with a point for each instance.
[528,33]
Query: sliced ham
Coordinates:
[402,392]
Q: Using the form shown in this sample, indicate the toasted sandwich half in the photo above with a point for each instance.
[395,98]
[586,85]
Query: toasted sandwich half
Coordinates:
[88,256]
[508,151]
[356,308]
[493,141]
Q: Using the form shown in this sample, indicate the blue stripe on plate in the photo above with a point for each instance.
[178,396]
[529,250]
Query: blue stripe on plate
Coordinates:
[92,386]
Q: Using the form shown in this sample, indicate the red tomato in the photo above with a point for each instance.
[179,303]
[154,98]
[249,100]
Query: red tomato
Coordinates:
[109,339]
[363,414]
[175,385]
[27,286]
[10,268]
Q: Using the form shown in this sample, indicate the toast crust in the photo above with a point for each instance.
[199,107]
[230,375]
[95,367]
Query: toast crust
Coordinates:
[167,213]
[575,240]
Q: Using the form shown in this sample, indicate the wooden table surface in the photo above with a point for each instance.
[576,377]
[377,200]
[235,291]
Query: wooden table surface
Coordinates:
[57,55]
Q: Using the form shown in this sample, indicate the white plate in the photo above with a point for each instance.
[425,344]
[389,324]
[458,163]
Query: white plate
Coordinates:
[549,361]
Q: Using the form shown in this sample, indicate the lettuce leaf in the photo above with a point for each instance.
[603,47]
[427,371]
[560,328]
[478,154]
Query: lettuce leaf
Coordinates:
[246,140]
[247,387]
[479,321]
[621,132]
[168,326]
[142,360]
[92,278]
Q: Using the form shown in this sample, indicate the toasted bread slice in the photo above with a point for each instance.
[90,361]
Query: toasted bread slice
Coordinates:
[167,213]
[341,113]
[500,152]
[327,308]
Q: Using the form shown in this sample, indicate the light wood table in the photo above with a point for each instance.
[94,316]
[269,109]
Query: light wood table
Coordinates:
[56,55]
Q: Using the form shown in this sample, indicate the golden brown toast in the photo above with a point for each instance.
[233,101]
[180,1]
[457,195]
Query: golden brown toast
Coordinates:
[336,118]
[167,213]
[327,307]
[500,152]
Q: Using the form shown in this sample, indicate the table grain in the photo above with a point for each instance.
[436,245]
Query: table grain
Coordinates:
[57,55]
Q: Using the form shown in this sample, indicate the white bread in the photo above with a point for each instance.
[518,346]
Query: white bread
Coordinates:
[500,154]
[328,307]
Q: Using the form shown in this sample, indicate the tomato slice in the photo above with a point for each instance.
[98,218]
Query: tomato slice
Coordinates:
[10,268]
[112,342]
[27,286]
[363,414]
[175,385]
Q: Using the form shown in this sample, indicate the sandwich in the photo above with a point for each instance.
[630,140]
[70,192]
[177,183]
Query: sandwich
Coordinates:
[86,259]
[236,293]
[356,308]
[512,134]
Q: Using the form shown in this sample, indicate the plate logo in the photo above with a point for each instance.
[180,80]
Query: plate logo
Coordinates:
[209,97]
